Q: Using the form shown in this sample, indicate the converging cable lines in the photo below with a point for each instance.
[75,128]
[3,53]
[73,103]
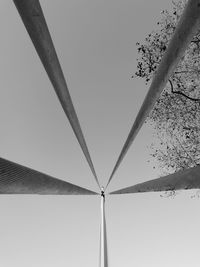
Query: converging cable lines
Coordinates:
[187,27]
[36,26]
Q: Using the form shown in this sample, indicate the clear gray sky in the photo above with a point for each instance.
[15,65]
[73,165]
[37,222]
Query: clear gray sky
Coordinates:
[95,41]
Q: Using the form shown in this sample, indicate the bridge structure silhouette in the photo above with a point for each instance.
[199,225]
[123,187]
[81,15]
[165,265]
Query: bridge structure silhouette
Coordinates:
[18,179]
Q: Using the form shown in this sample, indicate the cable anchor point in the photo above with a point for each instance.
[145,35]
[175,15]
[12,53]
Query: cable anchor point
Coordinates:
[102,192]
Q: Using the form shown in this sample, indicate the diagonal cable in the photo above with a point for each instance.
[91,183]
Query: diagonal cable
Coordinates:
[182,180]
[187,27]
[18,179]
[34,21]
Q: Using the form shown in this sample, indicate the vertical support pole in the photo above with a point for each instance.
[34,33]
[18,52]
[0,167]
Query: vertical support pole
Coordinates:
[103,236]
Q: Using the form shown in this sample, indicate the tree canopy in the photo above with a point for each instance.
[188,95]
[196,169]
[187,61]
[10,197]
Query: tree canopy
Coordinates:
[176,115]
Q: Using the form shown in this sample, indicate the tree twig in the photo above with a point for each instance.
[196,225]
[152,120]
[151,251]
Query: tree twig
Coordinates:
[181,93]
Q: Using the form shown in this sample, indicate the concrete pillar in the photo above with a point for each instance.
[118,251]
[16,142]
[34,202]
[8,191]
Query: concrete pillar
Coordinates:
[103,237]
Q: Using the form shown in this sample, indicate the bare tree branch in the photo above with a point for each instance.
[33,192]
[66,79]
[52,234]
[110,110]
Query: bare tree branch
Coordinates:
[181,93]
